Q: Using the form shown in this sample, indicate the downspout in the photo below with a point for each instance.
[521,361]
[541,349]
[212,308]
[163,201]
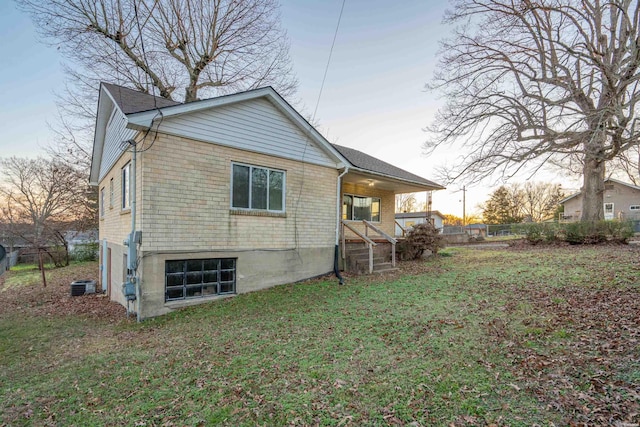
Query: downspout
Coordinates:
[131,288]
[132,243]
[336,269]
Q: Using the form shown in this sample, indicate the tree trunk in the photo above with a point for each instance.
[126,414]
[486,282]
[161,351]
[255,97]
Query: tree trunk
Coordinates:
[41,265]
[593,187]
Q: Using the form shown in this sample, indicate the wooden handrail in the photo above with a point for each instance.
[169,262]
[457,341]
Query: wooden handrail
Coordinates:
[390,239]
[380,232]
[359,234]
[370,243]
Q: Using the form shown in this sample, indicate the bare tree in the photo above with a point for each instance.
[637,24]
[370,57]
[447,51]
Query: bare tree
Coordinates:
[40,197]
[177,49]
[540,199]
[531,201]
[626,166]
[406,202]
[213,47]
[531,81]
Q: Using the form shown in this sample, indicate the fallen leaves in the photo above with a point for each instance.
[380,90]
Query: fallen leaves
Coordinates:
[56,299]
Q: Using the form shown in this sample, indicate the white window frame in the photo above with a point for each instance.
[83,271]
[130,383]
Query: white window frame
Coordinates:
[634,208]
[379,199]
[609,215]
[111,194]
[102,202]
[126,187]
[269,170]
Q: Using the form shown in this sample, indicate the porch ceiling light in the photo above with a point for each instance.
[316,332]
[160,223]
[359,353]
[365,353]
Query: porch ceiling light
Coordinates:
[371,183]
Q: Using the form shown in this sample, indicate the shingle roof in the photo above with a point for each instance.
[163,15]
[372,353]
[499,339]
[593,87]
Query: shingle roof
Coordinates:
[132,101]
[626,184]
[366,162]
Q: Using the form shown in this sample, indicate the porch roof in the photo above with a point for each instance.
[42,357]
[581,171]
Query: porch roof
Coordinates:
[367,170]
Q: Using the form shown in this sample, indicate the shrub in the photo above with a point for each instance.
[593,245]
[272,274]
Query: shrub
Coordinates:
[593,232]
[537,232]
[583,232]
[58,255]
[620,231]
[85,252]
[421,238]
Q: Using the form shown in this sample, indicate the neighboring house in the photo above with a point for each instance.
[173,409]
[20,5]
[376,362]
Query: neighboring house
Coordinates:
[405,220]
[621,201]
[230,194]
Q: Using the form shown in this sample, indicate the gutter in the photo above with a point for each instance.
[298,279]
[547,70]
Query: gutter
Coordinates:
[434,186]
[336,269]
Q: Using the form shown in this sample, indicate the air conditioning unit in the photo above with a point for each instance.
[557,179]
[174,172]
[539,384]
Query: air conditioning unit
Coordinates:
[83,287]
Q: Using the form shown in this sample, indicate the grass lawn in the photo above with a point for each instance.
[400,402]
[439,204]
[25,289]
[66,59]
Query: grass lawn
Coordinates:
[529,336]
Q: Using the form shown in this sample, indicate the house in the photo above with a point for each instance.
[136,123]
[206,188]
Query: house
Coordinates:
[621,201]
[228,195]
[405,220]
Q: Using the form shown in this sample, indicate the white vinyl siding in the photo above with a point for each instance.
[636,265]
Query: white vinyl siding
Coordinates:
[255,125]
[115,136]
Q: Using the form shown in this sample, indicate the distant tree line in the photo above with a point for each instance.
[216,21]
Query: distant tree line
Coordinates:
[516,203]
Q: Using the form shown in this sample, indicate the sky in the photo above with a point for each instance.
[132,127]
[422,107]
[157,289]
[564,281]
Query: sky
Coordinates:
[374,97]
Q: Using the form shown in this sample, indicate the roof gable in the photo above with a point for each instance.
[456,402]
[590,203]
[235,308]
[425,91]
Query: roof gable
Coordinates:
[146,119]
[253,125]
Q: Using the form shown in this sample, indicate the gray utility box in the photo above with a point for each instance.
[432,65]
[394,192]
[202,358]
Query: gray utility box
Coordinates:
[83,287]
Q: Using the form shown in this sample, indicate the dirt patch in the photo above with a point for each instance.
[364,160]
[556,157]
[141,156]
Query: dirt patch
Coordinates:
[56,299]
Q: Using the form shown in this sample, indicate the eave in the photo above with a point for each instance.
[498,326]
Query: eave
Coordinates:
[397,185]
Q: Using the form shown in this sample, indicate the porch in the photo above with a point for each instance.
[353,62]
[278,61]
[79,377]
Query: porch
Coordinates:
[367,189]
[371,252]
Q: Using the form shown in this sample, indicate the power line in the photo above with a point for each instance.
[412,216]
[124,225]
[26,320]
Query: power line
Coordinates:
[335,35]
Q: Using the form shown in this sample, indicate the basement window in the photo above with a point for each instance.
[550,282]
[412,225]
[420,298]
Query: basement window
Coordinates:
[199,278]
[634,208]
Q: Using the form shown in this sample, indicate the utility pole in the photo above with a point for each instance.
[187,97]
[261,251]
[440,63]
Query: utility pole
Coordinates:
[464,205]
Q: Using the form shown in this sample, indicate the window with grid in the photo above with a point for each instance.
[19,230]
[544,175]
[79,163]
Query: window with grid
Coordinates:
[257,188]
[199,278]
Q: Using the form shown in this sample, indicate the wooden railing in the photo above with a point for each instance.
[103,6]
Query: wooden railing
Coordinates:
[370,243]
[404,230]
[368,225]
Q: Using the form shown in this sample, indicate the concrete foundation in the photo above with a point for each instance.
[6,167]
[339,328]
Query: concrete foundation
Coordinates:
[255,270]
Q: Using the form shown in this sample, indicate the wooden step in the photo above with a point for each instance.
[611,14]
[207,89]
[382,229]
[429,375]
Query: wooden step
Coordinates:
[384,267]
